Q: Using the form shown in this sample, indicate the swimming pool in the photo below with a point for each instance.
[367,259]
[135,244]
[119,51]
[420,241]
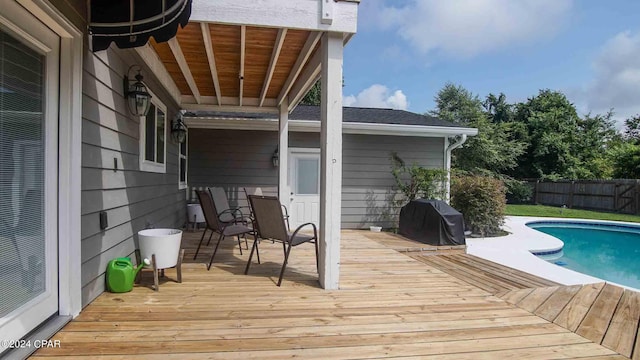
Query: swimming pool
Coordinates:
[606,251]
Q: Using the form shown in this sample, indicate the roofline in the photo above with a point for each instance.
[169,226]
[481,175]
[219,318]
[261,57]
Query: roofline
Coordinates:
[314,126]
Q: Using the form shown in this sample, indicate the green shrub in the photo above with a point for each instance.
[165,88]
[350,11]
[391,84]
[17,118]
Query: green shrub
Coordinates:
[418,182]
[482,202]
[518,192]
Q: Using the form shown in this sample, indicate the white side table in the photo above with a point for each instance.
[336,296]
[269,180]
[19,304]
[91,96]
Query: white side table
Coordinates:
[194,215]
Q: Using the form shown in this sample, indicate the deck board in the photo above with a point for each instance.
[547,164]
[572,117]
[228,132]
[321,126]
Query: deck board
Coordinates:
[389,305]
[623,328]
[595,323]
[575,311]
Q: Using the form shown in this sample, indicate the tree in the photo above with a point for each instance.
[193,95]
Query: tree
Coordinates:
[632,128]
[498,109]
[313,96]
[626,161]
[494,148]
[549,125]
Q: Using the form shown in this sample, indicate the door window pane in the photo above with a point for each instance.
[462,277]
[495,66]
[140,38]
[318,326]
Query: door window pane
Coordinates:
[22,174]
[308,177]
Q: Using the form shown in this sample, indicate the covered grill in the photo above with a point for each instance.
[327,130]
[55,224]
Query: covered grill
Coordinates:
[432,222]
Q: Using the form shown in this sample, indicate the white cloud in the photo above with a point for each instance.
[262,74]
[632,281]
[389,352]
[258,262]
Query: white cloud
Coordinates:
[466,28]
[616,83]
[378,96]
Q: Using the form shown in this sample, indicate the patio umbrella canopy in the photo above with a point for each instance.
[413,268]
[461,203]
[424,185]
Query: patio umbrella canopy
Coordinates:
[131,23]
[432,222]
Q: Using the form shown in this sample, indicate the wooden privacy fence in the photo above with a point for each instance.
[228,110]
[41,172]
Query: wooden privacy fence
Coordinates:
[619,195]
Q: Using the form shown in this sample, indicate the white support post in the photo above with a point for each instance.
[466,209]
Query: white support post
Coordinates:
[283,153]
[331,159]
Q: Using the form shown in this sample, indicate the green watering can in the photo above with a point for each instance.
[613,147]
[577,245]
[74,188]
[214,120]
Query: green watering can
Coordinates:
[121,274]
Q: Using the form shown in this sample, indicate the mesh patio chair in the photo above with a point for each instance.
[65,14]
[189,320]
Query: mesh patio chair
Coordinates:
[215,225]
[270,224]
[258,191]
[226,213]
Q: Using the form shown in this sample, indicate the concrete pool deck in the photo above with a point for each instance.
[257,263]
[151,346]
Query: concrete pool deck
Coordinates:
[514,250]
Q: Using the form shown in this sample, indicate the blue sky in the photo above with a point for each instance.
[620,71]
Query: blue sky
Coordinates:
[406,50]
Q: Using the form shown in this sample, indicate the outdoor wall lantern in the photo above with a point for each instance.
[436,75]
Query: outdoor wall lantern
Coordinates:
[136,94]
[178,129]
[275,158]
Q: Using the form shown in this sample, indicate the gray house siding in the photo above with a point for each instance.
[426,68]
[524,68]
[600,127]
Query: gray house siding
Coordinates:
[131,198]
[233,159]
[367,184]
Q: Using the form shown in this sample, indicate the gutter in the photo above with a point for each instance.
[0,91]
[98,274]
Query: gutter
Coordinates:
[447,162]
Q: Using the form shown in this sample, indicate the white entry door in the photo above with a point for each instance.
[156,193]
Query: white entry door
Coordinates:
[304,178]
[29,88]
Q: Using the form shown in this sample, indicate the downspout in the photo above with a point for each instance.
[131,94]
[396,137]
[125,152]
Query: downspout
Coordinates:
[447,160]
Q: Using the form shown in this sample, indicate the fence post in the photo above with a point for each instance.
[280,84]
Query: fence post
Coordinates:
[571,191]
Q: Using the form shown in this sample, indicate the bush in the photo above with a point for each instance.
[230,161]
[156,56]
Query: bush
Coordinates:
[518,192]
[418,182]
[482,202]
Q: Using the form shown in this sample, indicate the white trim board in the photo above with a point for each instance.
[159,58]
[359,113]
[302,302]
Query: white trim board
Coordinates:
[304,15]
[314,126]
[69,152]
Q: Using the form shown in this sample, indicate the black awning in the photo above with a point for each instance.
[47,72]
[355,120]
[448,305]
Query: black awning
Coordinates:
[130,23]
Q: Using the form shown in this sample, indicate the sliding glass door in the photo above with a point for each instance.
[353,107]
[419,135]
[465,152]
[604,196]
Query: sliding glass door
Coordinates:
[29,67]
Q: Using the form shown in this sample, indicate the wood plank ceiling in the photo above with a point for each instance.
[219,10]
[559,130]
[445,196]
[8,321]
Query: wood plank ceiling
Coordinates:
[235,65]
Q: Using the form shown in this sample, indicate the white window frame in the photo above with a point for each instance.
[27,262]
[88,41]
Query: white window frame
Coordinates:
[147,165]
[184,184]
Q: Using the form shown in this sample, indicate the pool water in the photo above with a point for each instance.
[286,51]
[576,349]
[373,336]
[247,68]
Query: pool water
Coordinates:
[607,252]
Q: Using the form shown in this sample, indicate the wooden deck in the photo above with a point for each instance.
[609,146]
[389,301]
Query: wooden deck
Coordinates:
[603,313]
[389,306]
[489,276]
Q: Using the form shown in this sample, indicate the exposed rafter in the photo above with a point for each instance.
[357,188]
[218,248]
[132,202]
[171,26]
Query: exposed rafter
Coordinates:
[153,62]
[184,67]
[206,36]
[282,33]
[243,40]
[305,81]
[307,49]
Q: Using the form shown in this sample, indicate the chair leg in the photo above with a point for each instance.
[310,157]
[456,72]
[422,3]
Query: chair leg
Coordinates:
[210,235]
[214,251]
[317,262]
[200,243]
[254,247]
[239,244]
[284,265]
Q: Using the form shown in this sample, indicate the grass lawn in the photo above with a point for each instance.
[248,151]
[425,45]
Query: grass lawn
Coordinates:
[552,211]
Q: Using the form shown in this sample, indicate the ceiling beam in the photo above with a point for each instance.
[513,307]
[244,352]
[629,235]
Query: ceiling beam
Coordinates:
[149,56]
[282,33]
[243,40]
[305,81]
[303,15]
[184,67]
[208,46]
[306,51]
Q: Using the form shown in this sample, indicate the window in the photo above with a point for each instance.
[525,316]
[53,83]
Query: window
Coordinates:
[182,163]
[153,138]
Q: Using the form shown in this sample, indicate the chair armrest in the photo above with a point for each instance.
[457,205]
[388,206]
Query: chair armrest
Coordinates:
[236,213]
[285,211]
[297,230]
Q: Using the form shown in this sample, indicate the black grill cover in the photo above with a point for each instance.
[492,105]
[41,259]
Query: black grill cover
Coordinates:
[432,222]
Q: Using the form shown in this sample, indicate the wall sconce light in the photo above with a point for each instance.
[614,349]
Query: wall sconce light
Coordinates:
[275,158]
[178,129]
[136,94]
